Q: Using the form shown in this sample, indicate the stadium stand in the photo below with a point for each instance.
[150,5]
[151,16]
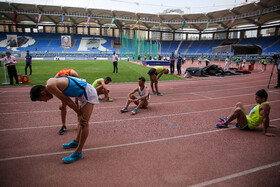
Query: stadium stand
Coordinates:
[38,43]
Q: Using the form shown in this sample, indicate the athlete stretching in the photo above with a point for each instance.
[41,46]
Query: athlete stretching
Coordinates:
[62,107]
[63,88]
[155,73]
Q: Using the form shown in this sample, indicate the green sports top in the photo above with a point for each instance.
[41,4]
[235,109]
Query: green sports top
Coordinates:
[95,83]
[159,69]
[254,118]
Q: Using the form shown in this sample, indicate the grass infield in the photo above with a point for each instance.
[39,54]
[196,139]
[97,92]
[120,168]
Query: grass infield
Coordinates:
[89,70]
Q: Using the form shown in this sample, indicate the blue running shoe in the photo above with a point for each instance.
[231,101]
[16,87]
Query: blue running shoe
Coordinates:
[223,119]
[134,111]
[73,157]
[222,125]
[124,109]
[72,144]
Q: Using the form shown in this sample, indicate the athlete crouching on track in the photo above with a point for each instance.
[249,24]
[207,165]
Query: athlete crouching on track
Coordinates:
[63,88]
[62,107]
[142,101]
[258,115]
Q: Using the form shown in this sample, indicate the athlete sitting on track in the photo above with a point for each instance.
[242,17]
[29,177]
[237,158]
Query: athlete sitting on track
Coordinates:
[258,115]
[142,101]
[65,72]
[63,88]
[155,73]
[100,86]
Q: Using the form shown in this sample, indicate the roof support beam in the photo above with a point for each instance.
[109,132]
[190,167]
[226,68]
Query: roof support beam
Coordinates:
[248,19]
[42,11]
[210,17]
[29,17]
[62,8]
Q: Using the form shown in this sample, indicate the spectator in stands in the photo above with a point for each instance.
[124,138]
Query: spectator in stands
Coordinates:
[115,62]
[258,115]
[179,63]
[100,86]
[64,88]
[62,107]
[28,63]
[171,62]
[10,62]
[155,73]
[227,63]
[150,57]
[142,101]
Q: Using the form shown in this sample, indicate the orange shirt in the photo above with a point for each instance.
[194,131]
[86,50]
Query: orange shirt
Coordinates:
[67,72]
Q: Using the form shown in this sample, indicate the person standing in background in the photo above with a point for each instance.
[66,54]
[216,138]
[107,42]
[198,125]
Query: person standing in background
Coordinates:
[10,62]
[179,63]
[278,75]
[172,61]
[115,62]
[227,63]
[28,61]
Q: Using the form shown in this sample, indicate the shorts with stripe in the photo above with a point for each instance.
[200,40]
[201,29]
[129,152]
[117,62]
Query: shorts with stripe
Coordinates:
[152,71]
[90,96]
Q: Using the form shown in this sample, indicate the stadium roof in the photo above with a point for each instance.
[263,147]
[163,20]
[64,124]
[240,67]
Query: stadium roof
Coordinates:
[256,14]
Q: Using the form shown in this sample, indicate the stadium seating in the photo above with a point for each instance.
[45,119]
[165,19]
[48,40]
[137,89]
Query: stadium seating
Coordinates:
[47,44]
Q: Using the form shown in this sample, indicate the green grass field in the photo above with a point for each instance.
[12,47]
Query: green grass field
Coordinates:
[89,70]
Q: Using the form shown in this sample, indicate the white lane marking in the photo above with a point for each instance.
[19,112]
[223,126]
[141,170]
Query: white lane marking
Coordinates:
[239,174]
[131,119]
[3,92]
[170,102]
[115,146]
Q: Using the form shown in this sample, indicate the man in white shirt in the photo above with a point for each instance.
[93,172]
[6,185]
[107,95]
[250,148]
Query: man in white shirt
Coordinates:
[227,63]
[10,62]
[142,101]
[115,62]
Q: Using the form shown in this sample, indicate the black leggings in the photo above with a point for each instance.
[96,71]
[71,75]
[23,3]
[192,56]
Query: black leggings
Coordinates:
[115,67]
[171,68]
[30,68]
[179,69]
[12,71]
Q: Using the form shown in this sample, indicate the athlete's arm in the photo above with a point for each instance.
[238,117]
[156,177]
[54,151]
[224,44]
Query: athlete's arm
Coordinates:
[74,73]
[160,75]
[102,82]
[52,88]
[132,92]
[265,109]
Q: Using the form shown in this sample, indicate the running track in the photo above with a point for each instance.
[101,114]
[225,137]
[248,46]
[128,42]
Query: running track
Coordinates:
[172,143]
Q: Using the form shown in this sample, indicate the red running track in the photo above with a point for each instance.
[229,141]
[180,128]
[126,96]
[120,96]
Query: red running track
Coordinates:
[172,143]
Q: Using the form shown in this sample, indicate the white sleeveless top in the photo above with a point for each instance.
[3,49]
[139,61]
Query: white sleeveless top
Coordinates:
[143,92]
